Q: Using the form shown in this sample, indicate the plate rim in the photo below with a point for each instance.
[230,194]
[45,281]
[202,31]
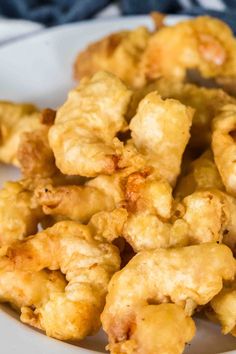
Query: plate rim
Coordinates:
[89,23]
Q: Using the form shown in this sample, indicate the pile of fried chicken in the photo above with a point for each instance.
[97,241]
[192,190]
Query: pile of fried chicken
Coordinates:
[125,215]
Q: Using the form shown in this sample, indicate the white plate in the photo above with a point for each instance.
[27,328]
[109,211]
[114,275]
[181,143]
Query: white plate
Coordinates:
[12,29]
[39,69]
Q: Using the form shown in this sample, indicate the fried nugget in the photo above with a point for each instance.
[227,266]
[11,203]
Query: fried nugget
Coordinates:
[144,198]
[19,214]
[203,216]
[15,119]
[35,156]
[82,136]
[118,53]
[224,146]
[27,290]
[181,276]
[150,218]
[88,266]
[201,174]
[73,202]
[146,231]
[108,225]
[224,309]
[203,43]
[166,326]
[160,131]
[203,203]
[206,214]
[207,103]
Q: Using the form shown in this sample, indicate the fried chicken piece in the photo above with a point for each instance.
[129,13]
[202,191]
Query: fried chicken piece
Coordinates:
[19,214]
[110,186]
[88,266]
[201,174]
[155,277]
[108,225]
[224,309]
[27,290]
[207,103]
[166,326]
[206,214]
[151,219]
[82,137]
[224,146]
[209,211]
[203,43]
[35,155]
[210,216]
[145,191]
[149,203]
[160,131]
[15,119]
[118,53]
[203,216]
[78,203]
[81,202]
[133,191]
[143,197]
[146,231]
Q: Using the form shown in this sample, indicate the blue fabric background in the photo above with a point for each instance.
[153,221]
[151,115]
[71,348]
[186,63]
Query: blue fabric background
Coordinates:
[56,12]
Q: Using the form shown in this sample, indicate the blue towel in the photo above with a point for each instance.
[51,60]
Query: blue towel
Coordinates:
[223,9]
[55,12]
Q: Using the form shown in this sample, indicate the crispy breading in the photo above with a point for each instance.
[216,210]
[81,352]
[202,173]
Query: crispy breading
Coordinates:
[118,53]
[143,197]
[224,309]
[160,131]
[146,231]
[145,191]
[201,174]
[15,119]
[158,329]
[34,154]
[207,103]
[27,290]
[155,220]
[206,214]
[108,225]
[203,43]
[182,276]
[19,214]
[73,202]
[203,216]
[210,215]
[224,146]
[87,265]
[85,126]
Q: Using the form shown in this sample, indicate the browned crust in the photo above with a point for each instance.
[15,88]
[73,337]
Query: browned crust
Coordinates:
[135,183]
[34,154]
[48,116]
[86,63]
